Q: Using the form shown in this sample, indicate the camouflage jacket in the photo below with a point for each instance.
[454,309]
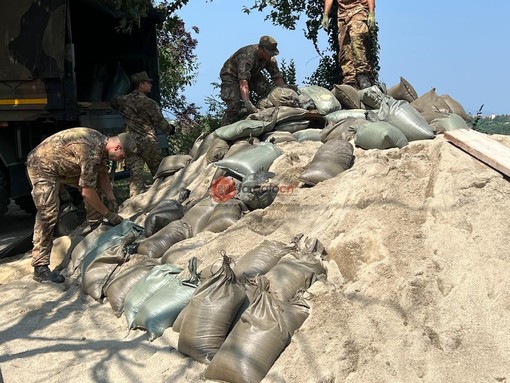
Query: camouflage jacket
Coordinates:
[142,115]
[74,156]
[246,63]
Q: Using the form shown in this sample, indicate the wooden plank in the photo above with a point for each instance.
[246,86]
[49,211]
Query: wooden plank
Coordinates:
[482,147]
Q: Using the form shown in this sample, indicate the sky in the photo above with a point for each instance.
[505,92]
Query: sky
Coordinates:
[455,46]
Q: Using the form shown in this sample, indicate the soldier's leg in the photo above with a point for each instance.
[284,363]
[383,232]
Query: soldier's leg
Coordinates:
[231,95]
[152,155]
[135,165]
[45,195]
[359,46]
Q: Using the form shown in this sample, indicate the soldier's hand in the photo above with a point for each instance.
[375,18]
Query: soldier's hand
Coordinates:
[371,20]
[113,218]
[112,205]
[325,22]
[250,107]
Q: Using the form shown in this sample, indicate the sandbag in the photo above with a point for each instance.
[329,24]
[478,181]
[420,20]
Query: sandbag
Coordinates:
[217,150]
[198,215]
[182,250]
[156,245]
[372,97]
[345,113]
[260,259]
[292,126]
[379,135]
[241,129]
[308,135]
[455,106]
[403,91]
[159,311]
[170,165]
[224,215]
[430,101]
[100,270]
[406,118]
[451,122]
[88,243]
[130,272]
[255,343]
[209,314]
[344,129]
[140,293]
[347,95]
[324,100]
[277,137]
[162,214]
[331,159]
[258,157]
[256,191]
[283,96]
[201,145]
[278,115]
[293,273]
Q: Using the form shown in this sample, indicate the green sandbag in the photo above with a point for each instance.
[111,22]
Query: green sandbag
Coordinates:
[379,135]
[324,100]
[145,288]
[242,128]
[159,312]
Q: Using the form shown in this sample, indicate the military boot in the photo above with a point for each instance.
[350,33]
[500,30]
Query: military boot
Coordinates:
[363,81]
[43,274]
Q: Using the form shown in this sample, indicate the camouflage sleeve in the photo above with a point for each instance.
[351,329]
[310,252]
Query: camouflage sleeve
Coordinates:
[157,119]
[91,164]
[273,69]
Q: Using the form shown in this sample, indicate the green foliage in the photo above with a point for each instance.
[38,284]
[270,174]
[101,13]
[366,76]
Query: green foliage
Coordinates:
[493,125]
[288,72]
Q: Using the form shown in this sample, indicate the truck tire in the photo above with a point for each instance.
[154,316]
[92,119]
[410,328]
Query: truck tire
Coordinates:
[4,192]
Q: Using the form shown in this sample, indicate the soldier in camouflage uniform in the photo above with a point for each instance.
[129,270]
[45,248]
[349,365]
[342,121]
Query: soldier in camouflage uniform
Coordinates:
[355,20]
[143,119]
[241,73]
[77,157]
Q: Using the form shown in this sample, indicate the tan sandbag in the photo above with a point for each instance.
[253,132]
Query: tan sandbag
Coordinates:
[255,343]
[372,97]
[308,135]
[87,243]
[260,259]
[283,96]
[62,250]
[347,95]
[129,273]
[403,91]
[156,245]
[455,107]
[198,215]
[217,150]
[451,122]
[331,159]
[343,129]
[209,314]
[277,137]
[162,214]
[345,113]
[224,215]
[279,115]
[430,101]
[201,145]
[292,126]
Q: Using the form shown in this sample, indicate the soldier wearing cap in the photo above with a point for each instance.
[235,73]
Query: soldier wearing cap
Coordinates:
[242,73]
[77,157]
[143,119]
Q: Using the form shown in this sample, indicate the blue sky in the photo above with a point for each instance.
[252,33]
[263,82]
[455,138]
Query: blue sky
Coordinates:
[457,47]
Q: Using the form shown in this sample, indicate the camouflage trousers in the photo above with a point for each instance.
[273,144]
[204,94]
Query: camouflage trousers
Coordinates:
[354,40]
[149,152]
[231,95]
[47,192]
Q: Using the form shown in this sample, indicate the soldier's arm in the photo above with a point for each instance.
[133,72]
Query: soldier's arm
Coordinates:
[157,119]
[90,195]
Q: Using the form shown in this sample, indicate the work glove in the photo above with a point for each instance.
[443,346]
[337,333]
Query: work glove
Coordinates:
[325,22]
[371,20]
[113,218]
[250,107]
[112,205]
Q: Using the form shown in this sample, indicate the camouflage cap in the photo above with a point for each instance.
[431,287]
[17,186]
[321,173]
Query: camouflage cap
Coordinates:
[137,78]
[128,144]
[269,44]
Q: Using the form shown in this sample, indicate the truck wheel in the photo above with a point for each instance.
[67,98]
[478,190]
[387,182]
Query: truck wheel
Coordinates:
[4,192]
[26,203]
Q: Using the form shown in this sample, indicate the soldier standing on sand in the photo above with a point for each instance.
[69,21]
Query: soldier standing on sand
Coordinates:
[355,20]
[242,73]
[143,118]
[77,157]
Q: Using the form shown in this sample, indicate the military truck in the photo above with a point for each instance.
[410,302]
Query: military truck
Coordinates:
[61,63]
